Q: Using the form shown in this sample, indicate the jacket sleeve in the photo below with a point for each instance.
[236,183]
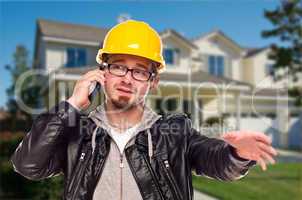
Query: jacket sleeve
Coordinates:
[214,158]
[42,152]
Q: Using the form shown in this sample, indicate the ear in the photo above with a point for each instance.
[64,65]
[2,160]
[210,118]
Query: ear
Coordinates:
[154,82]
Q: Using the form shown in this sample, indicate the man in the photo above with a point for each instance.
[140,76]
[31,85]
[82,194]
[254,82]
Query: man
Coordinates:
[123,150]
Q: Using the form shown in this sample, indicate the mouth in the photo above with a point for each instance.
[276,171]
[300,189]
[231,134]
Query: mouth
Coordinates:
[125,90]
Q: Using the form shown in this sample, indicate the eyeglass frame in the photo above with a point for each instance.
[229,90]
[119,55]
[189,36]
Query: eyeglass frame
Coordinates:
[104,65]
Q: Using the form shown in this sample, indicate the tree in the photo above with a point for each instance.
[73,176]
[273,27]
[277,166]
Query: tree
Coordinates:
[287,22]
[29,90]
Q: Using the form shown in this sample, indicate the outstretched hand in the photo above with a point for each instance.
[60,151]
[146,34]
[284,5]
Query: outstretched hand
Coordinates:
[252,146]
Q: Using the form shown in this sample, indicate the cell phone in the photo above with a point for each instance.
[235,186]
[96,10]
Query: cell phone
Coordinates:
[95,86]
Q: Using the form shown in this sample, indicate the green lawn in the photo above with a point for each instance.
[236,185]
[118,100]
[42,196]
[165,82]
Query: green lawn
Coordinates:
[280,182]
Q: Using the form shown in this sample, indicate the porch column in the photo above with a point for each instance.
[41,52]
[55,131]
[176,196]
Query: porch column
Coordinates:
[283,122]
[238,110]
[196,111]
[148,102]
[62,91]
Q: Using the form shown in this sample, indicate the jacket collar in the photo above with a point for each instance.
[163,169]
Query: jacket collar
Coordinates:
[99,117]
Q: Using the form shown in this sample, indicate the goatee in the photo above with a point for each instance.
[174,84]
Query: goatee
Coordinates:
[122,103]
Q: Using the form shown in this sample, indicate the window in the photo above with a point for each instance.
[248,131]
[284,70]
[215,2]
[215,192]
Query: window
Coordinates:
[170,55]
[269,69]
[187,107]
[171,105]
[167,105]
[216,65]
[76,57]
[158,106]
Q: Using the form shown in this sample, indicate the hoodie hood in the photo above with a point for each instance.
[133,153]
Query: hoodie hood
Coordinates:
[100,119]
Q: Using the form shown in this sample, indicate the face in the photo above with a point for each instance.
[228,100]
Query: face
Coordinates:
[125,92]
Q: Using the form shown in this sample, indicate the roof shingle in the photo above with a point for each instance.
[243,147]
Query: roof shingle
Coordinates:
[71,31]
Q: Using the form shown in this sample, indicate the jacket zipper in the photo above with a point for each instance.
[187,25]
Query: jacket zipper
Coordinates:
[153,177]
[121,176]
[76,171]
[171,179]
[151,171]
[101,168]
[80,172]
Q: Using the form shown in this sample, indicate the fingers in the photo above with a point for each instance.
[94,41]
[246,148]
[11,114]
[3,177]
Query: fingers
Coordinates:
[229,135]
[261,137]
[267,157]
[267,152]
[94,75]
[262,164]
[96,78]
[267,148]
[94,72]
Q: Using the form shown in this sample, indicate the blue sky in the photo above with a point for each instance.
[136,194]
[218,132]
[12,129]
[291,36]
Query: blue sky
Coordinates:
[242,20]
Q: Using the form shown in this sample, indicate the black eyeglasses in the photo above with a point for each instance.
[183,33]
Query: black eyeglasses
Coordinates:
[122,70]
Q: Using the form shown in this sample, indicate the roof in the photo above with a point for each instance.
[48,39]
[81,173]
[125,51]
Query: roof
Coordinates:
[197,77]
[86,33]
[217,32]
[4,114]
[175,33]
[71,31]
[254,51]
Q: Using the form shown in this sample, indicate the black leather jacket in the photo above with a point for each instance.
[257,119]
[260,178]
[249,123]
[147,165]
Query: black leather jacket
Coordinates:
[59,138]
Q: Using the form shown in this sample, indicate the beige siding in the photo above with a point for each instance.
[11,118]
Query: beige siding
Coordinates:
[56,54]
[248,71]
[261,79]
[216,47]
[254,70]
[41,55]
[183,60]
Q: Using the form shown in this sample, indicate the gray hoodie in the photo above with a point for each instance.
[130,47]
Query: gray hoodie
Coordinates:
[117,181]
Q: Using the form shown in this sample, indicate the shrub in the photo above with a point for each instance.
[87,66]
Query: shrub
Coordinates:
[13,185]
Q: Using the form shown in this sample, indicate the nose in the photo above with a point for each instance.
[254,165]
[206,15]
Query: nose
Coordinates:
[128,77]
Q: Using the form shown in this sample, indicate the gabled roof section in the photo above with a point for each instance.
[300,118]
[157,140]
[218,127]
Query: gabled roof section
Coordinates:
[250,52]
[219,33]
[171,32]
[71,31]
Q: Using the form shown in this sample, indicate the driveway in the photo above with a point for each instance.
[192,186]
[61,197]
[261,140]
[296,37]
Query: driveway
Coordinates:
[289,156]
[201,196]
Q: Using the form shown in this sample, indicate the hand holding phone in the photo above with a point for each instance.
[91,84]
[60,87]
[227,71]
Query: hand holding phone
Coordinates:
[87,87]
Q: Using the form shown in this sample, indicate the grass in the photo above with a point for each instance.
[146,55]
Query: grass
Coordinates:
[281,181]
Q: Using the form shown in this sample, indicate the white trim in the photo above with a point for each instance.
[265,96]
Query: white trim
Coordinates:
[209,96]
[71,77]
[257,54]
[225,37]
[268,97]
[186,83]
[181,83]
[249,97]
[67,77]
[178,40]
[70,41]
[238,110]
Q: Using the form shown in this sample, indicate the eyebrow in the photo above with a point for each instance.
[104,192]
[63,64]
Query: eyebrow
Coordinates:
[137,64]
[118,60]
[141,65]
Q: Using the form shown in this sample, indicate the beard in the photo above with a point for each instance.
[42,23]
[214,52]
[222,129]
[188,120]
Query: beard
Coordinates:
[122,103]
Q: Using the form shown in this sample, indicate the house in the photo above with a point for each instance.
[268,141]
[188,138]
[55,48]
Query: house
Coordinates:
[209,76]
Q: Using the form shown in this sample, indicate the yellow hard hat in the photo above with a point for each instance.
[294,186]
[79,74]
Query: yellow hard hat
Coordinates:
[134,38]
